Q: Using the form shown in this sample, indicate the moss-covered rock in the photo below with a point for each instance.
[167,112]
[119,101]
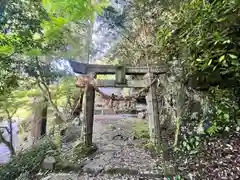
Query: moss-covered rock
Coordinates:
[80,150]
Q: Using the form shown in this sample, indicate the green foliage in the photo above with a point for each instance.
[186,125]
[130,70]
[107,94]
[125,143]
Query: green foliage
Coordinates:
[189,145]
[209,33]
[32,28]
[19,101]
[20,21]
[10,102]
[24,176]
[226,111]
[66,87]
[141,130]
[70,10]
[149,146]
[28,161]
[63,12]
[204,36]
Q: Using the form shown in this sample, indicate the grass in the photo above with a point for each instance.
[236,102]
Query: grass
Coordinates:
[140,129]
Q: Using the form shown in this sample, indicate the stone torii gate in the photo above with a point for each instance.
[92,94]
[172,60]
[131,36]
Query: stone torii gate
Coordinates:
[149,74]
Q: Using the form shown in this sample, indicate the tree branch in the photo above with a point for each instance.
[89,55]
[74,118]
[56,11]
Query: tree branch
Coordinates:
[4,127]
[7,143]
[44,88]
[47,94]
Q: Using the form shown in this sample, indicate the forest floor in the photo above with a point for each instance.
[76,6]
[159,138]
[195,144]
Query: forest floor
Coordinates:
[120,154]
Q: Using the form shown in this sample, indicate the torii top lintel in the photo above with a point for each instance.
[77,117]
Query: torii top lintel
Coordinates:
[83,68]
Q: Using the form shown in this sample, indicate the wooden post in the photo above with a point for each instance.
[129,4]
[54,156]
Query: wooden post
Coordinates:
[120,75]
[153,112]
[88,114]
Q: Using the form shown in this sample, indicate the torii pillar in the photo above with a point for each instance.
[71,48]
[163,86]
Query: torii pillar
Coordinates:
[153,111]
[88,113]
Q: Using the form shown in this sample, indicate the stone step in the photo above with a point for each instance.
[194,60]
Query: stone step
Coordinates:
[103,176]
[104,112]
[129,171]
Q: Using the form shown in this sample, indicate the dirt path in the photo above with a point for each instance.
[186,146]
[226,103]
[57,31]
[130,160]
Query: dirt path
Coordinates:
[119,156]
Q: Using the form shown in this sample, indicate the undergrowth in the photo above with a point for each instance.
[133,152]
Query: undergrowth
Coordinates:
[26,165]
[28,161]
[141,130]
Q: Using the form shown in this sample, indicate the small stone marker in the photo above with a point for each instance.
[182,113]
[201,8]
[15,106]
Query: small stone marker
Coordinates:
[49,163]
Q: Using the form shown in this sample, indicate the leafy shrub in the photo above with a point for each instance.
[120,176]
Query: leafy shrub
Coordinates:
[28,161]
[226,111]
[206,40]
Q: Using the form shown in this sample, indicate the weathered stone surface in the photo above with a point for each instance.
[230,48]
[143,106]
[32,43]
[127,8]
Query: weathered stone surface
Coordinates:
[98,164]
[71,133]
[61,176]
[49,163]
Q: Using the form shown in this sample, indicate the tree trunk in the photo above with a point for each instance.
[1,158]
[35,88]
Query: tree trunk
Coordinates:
[44,118]
[39,121]
[77,107]
[9,144]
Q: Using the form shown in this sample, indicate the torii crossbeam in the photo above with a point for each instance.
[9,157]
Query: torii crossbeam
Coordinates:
[83,68]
